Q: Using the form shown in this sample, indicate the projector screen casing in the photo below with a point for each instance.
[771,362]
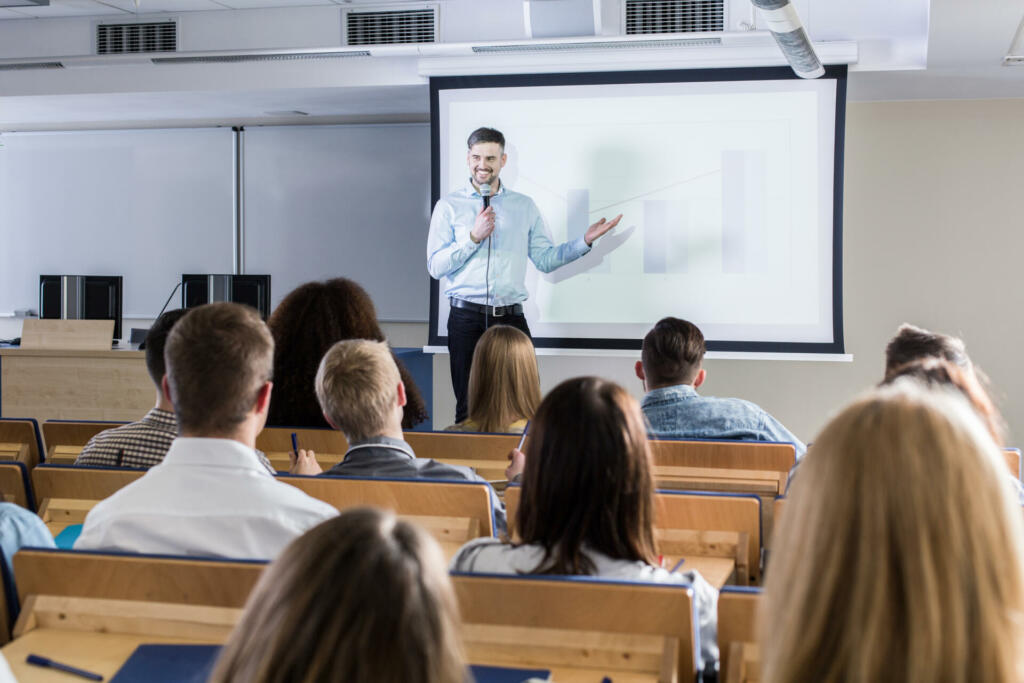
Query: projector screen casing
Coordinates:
[837,73]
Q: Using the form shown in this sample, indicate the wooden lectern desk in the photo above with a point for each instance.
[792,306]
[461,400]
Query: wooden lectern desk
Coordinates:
[55,384]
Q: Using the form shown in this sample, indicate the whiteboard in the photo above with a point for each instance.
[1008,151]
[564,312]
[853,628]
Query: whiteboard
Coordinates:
[145,204]
[341,201]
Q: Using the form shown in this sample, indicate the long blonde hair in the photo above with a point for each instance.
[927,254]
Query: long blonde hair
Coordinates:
[504,385]
[900,553]
[361,598]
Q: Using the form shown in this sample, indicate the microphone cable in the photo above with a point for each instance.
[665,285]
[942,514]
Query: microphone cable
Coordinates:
[142,345]
[176,288]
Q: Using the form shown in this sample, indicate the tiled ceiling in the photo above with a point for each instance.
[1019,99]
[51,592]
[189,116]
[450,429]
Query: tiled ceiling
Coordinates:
[79,8]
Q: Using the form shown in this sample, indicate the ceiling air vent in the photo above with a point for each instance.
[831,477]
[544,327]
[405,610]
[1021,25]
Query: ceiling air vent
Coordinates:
[390,27]
[120,39]
[674,16]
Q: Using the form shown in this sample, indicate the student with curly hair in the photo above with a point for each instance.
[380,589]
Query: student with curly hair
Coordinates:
[305,324]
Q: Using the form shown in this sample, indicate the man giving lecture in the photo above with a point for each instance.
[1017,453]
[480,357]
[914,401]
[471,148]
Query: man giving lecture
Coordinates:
[481,252]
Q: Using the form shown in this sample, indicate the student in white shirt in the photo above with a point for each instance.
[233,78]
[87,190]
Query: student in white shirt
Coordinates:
[587,504]
[211,495]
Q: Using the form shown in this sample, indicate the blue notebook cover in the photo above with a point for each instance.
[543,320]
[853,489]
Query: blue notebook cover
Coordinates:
[66,539]
[168,664]
[500,674]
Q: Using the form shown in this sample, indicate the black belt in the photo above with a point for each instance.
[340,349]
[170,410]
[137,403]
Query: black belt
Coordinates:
[493,311]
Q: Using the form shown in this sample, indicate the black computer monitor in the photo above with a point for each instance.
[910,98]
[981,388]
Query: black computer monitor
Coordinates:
[81,297]
[253,290]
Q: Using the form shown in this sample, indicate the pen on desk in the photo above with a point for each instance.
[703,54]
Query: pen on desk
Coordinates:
[46,662]
[295,444]
[522,439]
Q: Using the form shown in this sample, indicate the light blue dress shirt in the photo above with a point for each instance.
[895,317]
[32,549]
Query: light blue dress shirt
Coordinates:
[518,232]
[20,528]
[679,412]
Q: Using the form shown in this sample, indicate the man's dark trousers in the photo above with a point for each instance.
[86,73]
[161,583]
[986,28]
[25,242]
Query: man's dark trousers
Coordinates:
[465,327]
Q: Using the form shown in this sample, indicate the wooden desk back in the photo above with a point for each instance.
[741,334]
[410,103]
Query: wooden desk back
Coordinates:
[737,622]
[578,622]
[694,512]
[189,581]
[454,512]
[14,434]
[735,466]
[1012,456]
[486,453]
[13,480]
[57,433]
[80,483]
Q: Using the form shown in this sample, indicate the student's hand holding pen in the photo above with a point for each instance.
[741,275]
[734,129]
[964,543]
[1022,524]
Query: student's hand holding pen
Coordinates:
[517,461]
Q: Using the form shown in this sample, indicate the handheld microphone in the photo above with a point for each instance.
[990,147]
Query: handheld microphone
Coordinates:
[485,192]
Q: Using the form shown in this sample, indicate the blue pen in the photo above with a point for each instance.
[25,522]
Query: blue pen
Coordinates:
[50,664]
[522,440]
[295,444]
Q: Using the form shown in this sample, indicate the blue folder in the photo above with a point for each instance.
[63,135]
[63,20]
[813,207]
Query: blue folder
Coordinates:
[194,664]
[168,664]
[65,540]
[501,674]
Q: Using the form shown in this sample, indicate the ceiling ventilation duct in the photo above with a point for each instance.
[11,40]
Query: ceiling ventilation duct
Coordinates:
[674,16]
[390,26]
[136,37]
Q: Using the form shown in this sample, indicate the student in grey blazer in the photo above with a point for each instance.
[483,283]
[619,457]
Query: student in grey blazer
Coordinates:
[362,395]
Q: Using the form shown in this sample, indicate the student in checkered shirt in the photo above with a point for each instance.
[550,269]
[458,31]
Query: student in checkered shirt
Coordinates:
[143,443]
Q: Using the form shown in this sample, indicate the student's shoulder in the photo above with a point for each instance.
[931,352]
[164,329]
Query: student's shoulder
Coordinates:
[488,555]
[436,469]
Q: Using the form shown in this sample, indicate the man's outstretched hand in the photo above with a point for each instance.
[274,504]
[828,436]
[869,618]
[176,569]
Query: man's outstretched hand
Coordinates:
[599,228]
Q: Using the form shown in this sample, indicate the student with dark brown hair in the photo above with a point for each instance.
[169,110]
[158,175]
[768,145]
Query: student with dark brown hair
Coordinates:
[587,504]
[672,369]
[305,324]
[145,442]
[913,343]
[362,598]
[211,495]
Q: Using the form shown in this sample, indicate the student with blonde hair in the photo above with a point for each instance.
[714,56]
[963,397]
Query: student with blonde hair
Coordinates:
[361,393]
[362,598]
[900,554]
[504,385]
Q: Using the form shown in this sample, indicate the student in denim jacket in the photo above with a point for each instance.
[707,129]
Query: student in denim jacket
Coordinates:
[670,368]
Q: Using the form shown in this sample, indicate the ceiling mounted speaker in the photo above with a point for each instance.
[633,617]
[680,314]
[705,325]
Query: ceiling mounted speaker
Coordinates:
[781,19]
[562,18]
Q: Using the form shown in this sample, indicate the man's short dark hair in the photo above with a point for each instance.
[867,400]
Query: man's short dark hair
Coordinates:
[218,357]
[156,338]
[913,343]
[672,353]
[485,135]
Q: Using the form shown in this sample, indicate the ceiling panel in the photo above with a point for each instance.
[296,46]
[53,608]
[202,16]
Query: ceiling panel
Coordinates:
[12,14]
[164,6]
[262,4]
[70,8]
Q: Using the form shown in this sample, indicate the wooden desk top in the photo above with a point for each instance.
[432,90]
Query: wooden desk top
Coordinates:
[716,570]
[101,653]
[104,653]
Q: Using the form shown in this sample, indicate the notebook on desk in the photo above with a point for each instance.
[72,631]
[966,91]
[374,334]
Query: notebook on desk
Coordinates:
[168,664]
